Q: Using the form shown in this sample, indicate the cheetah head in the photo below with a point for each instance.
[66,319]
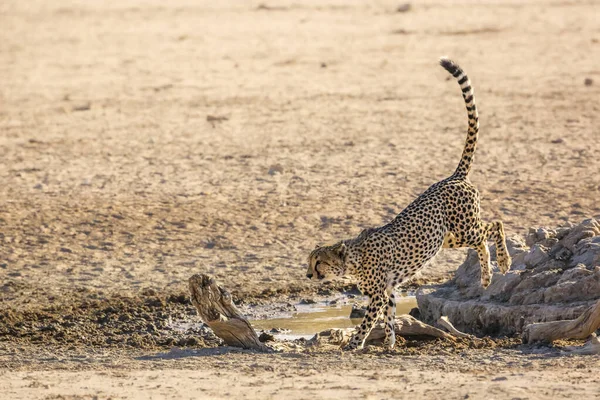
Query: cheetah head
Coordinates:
[327,262]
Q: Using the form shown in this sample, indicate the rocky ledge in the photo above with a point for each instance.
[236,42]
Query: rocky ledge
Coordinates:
[555,275]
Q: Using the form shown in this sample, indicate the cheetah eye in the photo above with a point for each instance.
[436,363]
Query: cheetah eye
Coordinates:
[317,265]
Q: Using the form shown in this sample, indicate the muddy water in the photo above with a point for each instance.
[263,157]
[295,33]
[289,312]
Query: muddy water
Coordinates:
[313,318]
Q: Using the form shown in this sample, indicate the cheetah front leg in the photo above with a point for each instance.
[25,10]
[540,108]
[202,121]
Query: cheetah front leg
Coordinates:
[390,319]
[374,309]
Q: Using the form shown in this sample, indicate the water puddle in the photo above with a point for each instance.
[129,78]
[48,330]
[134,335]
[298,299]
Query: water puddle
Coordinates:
[313,318]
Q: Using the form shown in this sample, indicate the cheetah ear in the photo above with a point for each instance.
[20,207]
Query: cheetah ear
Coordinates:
[340,250]
[317,246]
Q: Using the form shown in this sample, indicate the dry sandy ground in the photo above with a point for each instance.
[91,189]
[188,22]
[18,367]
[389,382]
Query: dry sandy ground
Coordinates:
[116,178]
[426,373]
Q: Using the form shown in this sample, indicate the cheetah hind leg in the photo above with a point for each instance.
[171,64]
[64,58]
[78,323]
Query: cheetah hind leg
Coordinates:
[493,231]
[450,241]
[484,261]
[496,233]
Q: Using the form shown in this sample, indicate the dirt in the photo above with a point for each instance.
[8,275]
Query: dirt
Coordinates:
[143,142]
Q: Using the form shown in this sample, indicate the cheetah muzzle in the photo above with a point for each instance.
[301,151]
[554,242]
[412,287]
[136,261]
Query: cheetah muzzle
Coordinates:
[446,215]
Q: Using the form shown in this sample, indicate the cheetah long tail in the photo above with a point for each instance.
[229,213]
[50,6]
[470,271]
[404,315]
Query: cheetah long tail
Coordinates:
[464,166]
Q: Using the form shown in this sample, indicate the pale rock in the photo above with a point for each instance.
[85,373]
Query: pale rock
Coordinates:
[542,285]
[580,271]
[587,252]
[536,256]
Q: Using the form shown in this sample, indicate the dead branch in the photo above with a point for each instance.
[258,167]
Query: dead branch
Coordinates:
[405,325]
[579,328]
[445,322]
[216,309]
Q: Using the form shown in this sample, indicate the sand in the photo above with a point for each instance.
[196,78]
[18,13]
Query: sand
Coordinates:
[142,142]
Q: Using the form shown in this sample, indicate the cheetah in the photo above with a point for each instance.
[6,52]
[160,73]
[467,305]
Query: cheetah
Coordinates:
[446,215]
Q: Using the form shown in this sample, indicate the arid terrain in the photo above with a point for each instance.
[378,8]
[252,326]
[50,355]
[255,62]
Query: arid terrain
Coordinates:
[144,141]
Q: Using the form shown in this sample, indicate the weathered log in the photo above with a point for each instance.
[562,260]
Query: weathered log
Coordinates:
[580,328]
[445,322]
[215,307]
[405,325]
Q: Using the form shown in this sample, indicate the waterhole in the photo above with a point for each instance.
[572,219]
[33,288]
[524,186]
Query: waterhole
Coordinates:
[312,318]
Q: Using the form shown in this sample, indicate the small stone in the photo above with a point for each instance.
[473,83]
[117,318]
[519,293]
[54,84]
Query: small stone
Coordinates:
[588,82]
[154,302]
[266,337]
[148,292]
[357,312]
[124,317]
[402,8]
[275,169]
[216,118]
[279,330]
[415,313]
[83,106]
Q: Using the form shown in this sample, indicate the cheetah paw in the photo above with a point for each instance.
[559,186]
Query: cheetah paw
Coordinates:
[485,281]
[504,264]
[352,346]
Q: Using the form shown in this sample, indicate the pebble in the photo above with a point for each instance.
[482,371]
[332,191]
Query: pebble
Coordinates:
[403,8]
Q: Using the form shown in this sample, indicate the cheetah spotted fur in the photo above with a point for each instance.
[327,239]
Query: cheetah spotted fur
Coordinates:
[446,215]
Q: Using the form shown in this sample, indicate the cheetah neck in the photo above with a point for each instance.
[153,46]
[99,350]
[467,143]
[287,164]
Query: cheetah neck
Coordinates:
[353,259]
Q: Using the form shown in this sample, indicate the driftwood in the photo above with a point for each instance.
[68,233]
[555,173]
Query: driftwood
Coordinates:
[405,325]
[580,328]
[445,323]
[216,309]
